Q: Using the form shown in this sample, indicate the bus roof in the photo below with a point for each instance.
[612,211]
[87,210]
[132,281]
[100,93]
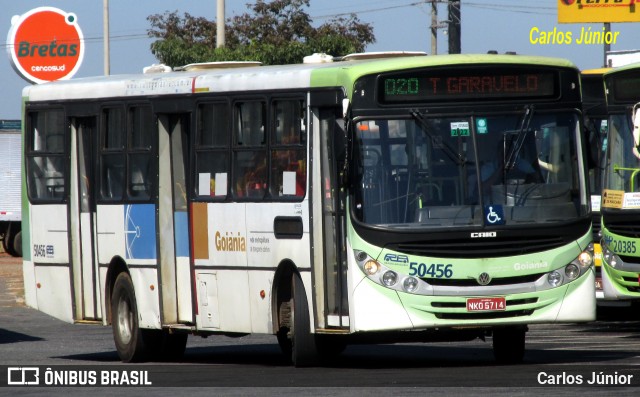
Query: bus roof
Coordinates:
[630,66]
[331,74]
[595,71]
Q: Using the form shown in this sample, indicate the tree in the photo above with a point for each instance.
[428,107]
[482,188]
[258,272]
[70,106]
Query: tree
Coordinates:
[277,32]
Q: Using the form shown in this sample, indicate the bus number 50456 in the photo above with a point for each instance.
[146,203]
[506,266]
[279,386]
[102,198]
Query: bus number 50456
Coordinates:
[437,270]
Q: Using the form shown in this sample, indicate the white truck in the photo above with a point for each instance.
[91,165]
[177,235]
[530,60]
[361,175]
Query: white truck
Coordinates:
[10,187]
[622,58]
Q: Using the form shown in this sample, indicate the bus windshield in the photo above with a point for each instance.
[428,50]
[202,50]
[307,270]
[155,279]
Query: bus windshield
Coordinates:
[441,171]
[623,166]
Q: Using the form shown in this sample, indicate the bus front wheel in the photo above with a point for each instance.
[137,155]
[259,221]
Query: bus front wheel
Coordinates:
[295,337]
[508,344]
[132,343]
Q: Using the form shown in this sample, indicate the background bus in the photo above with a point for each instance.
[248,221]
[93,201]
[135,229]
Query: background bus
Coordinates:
[596,119]
[380,200]
[620,209]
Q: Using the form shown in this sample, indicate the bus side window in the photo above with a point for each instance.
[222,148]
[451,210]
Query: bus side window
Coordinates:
[288,154]
[46,167]
[249,154]
[140,132]
[212,150]
[112,153]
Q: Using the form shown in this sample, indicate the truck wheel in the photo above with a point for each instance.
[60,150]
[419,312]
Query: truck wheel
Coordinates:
[7,243]
[132,343]
[17,244]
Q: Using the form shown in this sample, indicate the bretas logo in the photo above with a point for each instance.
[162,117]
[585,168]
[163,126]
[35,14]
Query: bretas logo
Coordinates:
[45,44]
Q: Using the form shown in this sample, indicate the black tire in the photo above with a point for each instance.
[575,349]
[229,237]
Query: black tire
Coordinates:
[294,337]
[303,342]
[17,244]
[509,345]
[132,343]
[7,243]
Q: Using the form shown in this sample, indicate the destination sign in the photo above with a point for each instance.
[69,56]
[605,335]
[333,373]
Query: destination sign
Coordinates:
[457,84]
[625,87]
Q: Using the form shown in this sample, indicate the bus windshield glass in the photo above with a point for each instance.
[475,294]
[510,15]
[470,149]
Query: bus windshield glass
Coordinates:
[448,171]
[622,172]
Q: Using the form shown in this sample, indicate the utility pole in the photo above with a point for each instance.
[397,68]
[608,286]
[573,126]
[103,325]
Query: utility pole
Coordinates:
[455,46]
[607,46]
[105,36]
[220,24]
[434,27]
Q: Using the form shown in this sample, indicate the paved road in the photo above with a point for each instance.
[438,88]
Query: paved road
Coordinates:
[253,365]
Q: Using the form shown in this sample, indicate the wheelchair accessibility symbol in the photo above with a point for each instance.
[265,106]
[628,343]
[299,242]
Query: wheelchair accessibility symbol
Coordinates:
[494,214]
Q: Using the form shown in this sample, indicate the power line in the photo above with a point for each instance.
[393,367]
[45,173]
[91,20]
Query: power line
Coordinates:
[417,3]
[514,8]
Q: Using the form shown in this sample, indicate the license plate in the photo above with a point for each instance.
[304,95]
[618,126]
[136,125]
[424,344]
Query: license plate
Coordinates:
[486,304]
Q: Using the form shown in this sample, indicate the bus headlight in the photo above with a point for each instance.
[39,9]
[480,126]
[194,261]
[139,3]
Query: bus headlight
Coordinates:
[609,257]
[389,278]
[410,284]
[572,271]
[585,258]
[371,267]
[554,278]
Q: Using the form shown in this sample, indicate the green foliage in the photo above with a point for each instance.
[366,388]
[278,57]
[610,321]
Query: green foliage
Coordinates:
[277,32]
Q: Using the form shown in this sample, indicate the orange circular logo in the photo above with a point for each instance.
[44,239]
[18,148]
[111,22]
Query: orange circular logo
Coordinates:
[45,44]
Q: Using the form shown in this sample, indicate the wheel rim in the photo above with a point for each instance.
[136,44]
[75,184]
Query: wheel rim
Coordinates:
[125,320]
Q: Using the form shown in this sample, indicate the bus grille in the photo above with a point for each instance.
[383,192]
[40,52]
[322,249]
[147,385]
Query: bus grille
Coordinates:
[629,259]
[472,282]
[483,316]
[483,248]
[624,228]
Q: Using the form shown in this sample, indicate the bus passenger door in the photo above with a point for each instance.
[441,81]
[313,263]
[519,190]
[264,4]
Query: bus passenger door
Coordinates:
[330,259]
[175,271]
[82,216]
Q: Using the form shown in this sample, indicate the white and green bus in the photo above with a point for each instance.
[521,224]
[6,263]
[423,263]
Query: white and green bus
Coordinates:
[621,189]
[334,202]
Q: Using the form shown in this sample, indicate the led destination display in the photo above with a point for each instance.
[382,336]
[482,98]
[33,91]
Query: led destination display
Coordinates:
[439,85]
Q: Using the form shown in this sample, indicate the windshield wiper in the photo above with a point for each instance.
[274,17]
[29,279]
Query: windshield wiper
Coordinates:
[510,160]
[453,155]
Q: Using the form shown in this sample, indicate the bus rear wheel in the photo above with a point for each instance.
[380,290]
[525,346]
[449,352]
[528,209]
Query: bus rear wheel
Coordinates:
[508,344]
[132,343]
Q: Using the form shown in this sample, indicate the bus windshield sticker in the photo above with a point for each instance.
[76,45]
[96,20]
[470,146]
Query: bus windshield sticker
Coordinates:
[460,128]
[481,126]
[631,200]
[612,198]
[220,188]
[288,182]
[204,184]
[494,214]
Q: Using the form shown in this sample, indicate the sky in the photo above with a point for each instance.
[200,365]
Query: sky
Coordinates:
[398,25]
